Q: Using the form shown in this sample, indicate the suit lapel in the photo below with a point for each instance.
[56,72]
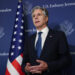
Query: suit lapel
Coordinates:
[49,36]
[33,45]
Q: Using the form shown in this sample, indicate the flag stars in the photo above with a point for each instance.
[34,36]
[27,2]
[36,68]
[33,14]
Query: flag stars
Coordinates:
[21,27]
[13,46]
[16,26]
[22,21]
[14,39]
[20,41]
[21,33]
[15,32]
[16,19]
[19,6]
[19,47]
[12,54]
[18,13]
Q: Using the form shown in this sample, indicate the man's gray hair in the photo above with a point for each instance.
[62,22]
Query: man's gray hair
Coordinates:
[45,12]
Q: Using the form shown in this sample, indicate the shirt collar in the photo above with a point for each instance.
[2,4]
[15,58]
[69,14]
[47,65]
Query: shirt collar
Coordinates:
[45,30]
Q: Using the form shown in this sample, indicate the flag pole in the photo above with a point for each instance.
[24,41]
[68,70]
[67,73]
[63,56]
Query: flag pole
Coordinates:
[20,0]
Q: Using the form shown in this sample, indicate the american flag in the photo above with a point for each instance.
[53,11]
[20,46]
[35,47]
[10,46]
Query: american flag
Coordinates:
[17,44]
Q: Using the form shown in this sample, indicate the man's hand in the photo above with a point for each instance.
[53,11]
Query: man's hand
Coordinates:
[27,67]
[39,68]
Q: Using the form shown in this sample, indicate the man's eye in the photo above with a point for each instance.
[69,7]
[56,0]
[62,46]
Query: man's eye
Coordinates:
[33,16]
[39,14]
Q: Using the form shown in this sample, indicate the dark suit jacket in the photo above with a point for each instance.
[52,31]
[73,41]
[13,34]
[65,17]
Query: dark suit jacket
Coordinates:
[55,52]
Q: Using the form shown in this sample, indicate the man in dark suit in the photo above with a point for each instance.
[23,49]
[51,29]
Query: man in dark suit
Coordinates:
[51,55]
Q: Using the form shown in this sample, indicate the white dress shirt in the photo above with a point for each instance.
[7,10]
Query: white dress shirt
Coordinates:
[43,35]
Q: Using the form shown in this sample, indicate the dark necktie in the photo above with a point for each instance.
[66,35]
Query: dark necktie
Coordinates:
[38,45]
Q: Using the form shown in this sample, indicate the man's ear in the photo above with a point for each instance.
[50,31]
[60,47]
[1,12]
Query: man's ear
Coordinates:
[46,19]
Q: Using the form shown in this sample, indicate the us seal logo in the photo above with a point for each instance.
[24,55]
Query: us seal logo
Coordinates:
[27,7]
[67,27]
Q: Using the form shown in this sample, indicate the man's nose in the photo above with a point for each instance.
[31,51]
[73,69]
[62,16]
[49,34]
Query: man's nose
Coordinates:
[36,17]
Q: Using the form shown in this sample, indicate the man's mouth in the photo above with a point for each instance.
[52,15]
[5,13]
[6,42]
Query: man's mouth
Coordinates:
[37,21]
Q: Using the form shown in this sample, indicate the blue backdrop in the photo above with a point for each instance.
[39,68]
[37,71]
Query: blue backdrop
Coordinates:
[61,17]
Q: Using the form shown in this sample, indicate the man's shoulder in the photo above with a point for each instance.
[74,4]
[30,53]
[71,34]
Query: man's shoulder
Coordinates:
[32,35]
[56,32]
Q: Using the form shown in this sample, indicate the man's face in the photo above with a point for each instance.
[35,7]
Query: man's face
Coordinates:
[39,19]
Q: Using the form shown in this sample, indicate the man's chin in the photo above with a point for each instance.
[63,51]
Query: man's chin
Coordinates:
[38,26]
